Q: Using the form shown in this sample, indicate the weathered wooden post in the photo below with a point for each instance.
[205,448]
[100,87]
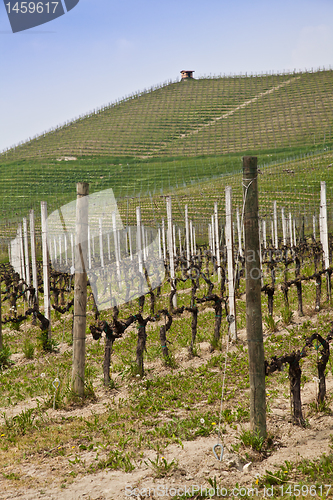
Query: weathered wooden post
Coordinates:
[230,256]
[239,232]
[163,240]
[264,237]
[276,242]
[46,271]
[89,249]
[187,236]
[22,274]
[180,241]
[284,232]
[191,238]
[291,230]
[26,254]
[33,255]
[138,239]
[213,235]
[217,242]
[324,234]
[253,298]
[170,247]
[314,227]
[65,245]
[174,240]
[115,239]
[130,242]
[100,233]
[80,289]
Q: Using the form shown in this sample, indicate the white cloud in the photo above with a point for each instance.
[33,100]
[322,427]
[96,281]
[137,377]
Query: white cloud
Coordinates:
[314,47]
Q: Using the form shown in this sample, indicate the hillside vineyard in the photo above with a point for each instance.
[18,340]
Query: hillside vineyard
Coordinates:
[207,116]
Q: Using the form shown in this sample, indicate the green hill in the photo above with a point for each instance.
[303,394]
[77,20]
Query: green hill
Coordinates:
[200,117]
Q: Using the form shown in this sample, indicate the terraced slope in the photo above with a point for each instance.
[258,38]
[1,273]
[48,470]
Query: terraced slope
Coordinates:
[200,117]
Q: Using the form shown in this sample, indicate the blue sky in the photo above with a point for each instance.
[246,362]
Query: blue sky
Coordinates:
[104,49]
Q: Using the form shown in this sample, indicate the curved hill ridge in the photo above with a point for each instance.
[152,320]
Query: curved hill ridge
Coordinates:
[199,117]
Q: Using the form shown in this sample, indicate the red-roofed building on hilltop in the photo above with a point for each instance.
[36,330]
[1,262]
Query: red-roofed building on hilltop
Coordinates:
[186,74]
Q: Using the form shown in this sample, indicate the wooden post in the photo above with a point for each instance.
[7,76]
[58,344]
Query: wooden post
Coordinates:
[100,232]
[60,250]
[21,253]
[264,237]
[276,242]
[72,251]
[93,245]
[194,242]
[65,245]
[187,235]
[324,234]
[138,239]
[295,242]
[314,227]
[217,242]
[115,238]
[89,249]
[213,235]
[180,241]
[284,235]
[159,244]
[163,239]
[144,256]
[33,255]
[26,253]
[291,230]
[191,238]
[130,242]
[55,250]
[230,258]
[253,298]
[323,216]
[174,240]
[109,249]
[239,232]
[80,289]
[46,271]
[170,246]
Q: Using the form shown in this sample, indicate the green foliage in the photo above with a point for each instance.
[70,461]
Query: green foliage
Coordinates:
[28,348]
[5,354]
[117,460]
[253,439]
[48,345]
[287,315]
[161,466]
[270,323]
[21,423]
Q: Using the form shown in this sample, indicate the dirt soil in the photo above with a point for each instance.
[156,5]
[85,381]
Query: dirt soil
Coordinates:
[195,460]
